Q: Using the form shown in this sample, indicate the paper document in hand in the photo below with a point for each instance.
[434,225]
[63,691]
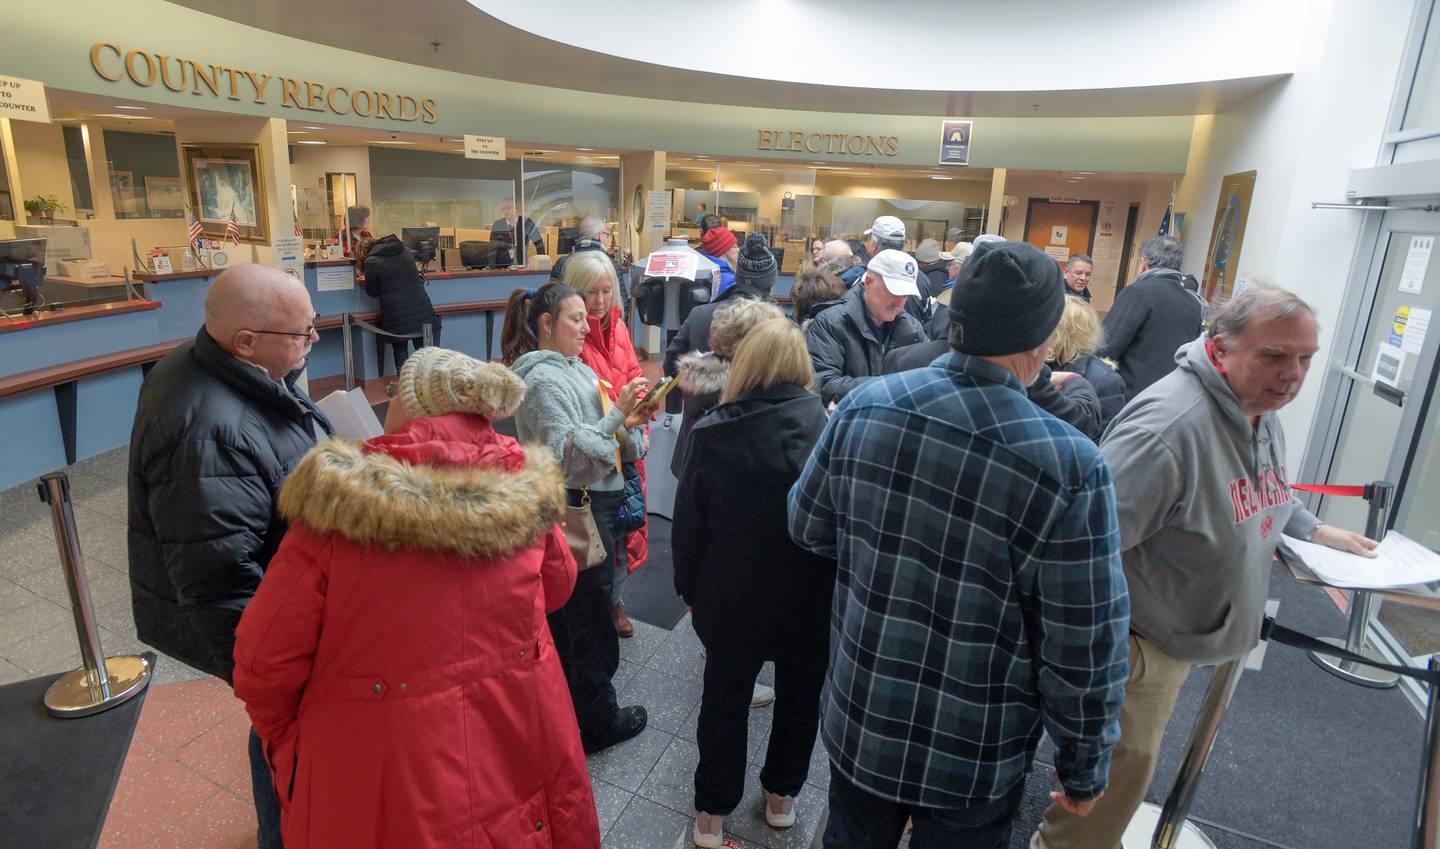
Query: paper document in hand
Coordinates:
[1398,562]
[350,414]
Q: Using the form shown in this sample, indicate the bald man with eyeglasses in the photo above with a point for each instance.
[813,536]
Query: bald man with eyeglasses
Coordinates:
[219,425]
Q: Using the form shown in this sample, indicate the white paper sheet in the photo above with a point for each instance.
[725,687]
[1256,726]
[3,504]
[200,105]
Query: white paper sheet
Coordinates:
[350,414]
[1398,562]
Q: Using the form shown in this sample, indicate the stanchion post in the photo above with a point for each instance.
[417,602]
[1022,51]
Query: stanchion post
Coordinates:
[1363,605]
[1197,752]
[427,334]
[55,491]
[1427,805]
[349,347]
[100,682]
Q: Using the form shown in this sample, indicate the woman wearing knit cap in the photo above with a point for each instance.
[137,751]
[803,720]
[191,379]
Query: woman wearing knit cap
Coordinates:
[610,354]
[566,408]
[719,246]
[404,613]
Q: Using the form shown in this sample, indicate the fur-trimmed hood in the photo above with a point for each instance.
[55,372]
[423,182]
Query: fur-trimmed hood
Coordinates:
[703,373]
[372,498]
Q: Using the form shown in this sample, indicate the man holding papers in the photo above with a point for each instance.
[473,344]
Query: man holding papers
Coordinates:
[1202,493]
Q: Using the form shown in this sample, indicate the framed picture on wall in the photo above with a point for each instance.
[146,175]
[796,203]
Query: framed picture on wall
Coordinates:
[1222,258]
[225,181]
[122,192]
[164,193]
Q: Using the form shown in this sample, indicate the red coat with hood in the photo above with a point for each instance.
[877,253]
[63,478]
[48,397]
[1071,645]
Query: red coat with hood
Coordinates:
[611,355]
[396,660]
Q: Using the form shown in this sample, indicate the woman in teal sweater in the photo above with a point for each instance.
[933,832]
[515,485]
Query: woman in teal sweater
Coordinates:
[566,408]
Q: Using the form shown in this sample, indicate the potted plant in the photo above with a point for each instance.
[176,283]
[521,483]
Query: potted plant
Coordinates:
[44,207]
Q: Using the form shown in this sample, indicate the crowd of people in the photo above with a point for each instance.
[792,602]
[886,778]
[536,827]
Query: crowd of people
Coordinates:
[950,504]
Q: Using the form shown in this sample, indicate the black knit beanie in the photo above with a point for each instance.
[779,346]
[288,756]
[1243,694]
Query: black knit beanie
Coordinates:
[756,265]
[1008,299]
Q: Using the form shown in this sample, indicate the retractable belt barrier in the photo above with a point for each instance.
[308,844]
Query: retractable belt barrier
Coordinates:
[1278,633]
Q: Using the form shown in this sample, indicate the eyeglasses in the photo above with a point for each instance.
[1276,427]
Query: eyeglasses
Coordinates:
[306,333]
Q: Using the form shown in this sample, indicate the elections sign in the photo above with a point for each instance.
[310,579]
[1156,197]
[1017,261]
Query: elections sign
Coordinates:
[955,142]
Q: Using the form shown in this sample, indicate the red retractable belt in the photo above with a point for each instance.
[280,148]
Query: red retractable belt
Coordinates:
[1332,489]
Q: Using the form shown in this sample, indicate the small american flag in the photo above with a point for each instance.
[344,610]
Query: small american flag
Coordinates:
[298,231]
[232,227]
[193,228]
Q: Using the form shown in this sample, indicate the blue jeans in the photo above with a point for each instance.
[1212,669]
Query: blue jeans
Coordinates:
[862,820]
[267,804]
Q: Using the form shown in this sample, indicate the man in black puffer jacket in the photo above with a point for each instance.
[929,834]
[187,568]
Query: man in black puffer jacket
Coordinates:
[405,307]
[220,424]
[1151,318]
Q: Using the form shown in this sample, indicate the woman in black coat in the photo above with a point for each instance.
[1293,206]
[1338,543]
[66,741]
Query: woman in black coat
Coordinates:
[755,594]
[391,276]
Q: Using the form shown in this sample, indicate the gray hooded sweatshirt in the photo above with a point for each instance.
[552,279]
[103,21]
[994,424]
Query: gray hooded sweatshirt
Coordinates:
[562,409]
[1202,497]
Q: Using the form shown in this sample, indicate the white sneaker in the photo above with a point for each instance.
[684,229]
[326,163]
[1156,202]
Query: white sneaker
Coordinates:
[710,837]
[779,810]
[762,695]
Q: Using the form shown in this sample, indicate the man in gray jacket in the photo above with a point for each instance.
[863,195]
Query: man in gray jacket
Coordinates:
[1203,496]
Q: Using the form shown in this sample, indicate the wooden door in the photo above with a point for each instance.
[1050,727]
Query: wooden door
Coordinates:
[1061,229]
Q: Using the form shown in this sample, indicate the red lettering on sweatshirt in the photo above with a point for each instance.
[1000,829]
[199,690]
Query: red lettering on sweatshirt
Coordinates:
[1249,497]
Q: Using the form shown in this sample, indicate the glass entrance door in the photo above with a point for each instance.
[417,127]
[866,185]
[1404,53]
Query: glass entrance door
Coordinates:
[1387,428]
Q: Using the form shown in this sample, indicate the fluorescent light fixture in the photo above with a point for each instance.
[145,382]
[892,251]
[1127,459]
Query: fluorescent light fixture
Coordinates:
[124,117]
[940,177]
[1086,173]
[297,132]
[136,108]
[584,148]
[394,141]
[308,127]
[701,156]
[310,141]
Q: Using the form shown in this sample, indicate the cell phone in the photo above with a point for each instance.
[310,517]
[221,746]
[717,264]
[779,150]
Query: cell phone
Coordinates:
[651,402]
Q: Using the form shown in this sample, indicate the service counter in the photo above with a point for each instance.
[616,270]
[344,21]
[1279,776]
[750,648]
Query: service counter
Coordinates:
[70,380]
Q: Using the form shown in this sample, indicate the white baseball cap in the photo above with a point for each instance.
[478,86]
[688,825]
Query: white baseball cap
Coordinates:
[887,227]
[897,269]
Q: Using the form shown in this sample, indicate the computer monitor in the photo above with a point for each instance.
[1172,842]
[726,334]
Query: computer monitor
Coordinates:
[22,267]
[568,237]
[422,242]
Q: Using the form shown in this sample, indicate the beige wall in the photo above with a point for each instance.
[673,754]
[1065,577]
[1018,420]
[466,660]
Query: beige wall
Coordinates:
[44,170]
[312,162]
[1115,198]
[110,238]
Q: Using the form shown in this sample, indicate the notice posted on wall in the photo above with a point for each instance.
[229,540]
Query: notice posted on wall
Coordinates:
[1417,262]
[335,278]
[657,210]
[23,100]
[1059,253]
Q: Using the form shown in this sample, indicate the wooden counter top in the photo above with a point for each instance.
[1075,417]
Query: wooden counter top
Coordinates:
[197,274]
[49,317]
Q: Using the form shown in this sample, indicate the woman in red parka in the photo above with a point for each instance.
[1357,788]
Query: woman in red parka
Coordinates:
[610,354]
[395,660]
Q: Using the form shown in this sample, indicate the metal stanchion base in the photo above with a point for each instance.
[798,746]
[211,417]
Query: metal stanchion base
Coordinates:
[1366,676]
[70,696]
[1141,831]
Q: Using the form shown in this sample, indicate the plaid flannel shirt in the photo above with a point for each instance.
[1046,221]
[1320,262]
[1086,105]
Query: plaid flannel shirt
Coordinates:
[979,594]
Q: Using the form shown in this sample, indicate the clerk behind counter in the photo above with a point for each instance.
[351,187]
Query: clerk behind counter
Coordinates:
[502,235]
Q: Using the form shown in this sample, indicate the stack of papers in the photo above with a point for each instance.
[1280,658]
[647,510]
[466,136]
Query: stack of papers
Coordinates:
[1398,562]
[350,414]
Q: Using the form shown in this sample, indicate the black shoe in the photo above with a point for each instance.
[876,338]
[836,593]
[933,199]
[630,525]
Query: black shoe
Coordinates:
[628,722]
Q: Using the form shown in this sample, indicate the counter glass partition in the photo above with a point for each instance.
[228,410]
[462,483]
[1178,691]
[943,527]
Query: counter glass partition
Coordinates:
[144,174]
[558,196]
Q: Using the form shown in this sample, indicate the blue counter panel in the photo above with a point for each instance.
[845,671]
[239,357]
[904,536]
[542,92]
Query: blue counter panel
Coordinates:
[57,344]
[182,303]
[105,410]
[33,444]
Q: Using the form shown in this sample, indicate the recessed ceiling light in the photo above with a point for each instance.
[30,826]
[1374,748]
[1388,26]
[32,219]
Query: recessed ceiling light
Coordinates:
[297,132]
[701,156]
[123,116]
[394,141]
[940,177]
[584,148]
[310,141]
[136,108]
[1086,173]
[308,127]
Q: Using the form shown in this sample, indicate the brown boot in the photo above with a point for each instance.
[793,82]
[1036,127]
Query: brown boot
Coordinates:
[623,627]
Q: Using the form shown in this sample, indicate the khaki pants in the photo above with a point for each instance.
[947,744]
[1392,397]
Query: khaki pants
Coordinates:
[1155,681]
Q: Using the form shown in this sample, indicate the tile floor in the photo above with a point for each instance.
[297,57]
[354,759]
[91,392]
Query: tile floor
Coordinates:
[186,780]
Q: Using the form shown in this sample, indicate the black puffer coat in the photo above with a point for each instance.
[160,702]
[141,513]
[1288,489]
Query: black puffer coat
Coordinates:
[1149,321]
[214,438]
[694,334]
[734,559]
[844,349]
[390,275]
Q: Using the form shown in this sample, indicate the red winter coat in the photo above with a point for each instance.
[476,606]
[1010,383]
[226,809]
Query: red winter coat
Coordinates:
[611,355]
[396,660]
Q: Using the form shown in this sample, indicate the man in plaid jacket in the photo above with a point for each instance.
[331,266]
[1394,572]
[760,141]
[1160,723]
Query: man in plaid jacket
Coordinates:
[980,596]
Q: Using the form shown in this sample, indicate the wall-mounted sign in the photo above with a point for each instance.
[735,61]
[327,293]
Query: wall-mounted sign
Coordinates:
[799,141]
[1063,199]
[290,255]
[177,74]
[335,278]
[657,210]
[1058,234]
[955,142]
[484,147]
[24,100]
